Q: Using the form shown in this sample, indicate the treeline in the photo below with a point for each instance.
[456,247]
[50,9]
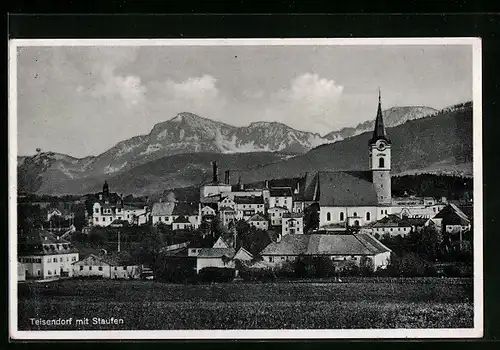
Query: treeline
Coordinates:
[430,185]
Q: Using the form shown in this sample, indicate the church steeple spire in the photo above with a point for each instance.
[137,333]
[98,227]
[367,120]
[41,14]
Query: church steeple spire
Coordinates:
[379,130]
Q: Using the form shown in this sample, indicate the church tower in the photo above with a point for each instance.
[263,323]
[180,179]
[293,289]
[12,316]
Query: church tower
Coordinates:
[380,159]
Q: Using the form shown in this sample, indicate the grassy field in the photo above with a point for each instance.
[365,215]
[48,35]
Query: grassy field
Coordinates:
[414,303]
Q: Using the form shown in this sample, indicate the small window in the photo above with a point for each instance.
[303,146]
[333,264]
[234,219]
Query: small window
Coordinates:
[116,268]
[97,210]
[81,268]
[381,162]
[100,268]
[341,216]
[355,214]
[328,217]
[49,272]
[90,268]
[381,212]
[368,216]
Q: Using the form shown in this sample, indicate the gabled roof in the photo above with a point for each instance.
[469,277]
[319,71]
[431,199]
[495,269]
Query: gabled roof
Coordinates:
[320,244]
[40,242]
[281,192]
[187,209]
[452,215]
[162,208]
[257,217]
[391,220]
[249,200]
[342,188]
[224,208]
[112,259]
[216,253]
[181,220]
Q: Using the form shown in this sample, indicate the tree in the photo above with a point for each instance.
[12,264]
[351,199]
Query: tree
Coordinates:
[311,217]
[149,248]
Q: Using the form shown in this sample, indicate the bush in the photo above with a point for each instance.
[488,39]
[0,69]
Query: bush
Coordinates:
[216,274]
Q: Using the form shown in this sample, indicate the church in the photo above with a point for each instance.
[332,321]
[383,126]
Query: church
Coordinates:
[355,198]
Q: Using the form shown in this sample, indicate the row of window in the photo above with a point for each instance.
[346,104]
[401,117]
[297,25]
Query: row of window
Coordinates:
[342,216]
[353,257]
[399,229]
[60,259]
[31,260]
[100,268]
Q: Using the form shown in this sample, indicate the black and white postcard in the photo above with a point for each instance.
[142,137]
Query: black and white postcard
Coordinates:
[245,188]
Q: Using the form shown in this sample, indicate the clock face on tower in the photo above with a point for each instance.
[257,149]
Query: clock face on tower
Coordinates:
[381,146]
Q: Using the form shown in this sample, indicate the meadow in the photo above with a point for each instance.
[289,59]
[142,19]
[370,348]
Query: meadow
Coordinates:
[356,304]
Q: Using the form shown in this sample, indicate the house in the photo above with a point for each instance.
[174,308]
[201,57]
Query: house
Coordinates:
[452,220]
[392,225]
[227,202]
[215,257]
[168,212]
[207,211]
[181,223]
[275,215]
[60,213]
[227,215]
[45,255]
[110,207]
[249,206]
[281,197]
[243,255]
[161,212]
[360,249]
[115,266]
[292,223]
[258,221]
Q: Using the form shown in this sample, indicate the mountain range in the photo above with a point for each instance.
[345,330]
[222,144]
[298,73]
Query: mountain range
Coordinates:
[178,153]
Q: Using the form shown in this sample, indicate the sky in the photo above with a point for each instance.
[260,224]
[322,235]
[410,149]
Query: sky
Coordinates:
[81,100]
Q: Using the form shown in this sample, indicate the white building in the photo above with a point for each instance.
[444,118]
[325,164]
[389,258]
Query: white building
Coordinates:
[281,197]
[360,249]
[292,223]
[275,215]
[249,206]
[46,256]
[258,221]
[106,266]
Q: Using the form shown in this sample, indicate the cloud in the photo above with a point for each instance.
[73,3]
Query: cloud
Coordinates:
[195,88]
[127,88]
[195,94]
[308,103]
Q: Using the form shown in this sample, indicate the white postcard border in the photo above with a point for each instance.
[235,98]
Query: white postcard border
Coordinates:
[475,332]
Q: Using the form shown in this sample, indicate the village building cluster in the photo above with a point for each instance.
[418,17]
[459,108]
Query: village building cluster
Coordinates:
[344,199]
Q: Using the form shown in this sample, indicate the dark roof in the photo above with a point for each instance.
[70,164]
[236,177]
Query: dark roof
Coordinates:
[216,252]
[40,242]
[181,220]
[452,215]
[185,209]
[379,130]
[249,200]
[293,215]
[281,192]
[391,220]
[319,244]
[341,188]
[257,217]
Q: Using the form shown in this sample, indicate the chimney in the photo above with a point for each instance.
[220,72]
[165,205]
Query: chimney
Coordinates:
[226,177]
[215,172]
[240,184]
[267,183]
